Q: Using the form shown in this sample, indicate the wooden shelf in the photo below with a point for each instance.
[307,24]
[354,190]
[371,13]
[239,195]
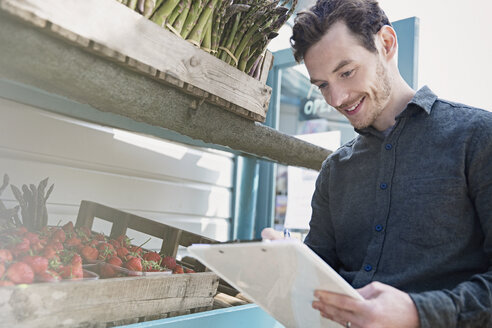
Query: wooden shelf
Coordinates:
[135,69]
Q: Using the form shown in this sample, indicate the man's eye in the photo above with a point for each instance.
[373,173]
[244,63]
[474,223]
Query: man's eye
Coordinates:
[322,85]
[347,74]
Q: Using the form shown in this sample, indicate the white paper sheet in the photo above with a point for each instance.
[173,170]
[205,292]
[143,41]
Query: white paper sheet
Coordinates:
[279,276]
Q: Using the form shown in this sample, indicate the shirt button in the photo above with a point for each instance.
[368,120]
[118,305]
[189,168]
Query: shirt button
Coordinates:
[383,186]
[368,267]
[378,228]
[388,146]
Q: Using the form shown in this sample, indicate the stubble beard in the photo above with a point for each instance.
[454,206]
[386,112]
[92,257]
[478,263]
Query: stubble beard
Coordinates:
[381,92]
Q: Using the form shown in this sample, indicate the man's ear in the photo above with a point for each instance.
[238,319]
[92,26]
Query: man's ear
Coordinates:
[387,42]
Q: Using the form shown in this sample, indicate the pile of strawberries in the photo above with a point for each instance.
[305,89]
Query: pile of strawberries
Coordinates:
[57,253]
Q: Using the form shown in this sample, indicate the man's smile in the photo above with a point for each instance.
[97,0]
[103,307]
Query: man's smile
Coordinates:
[352,110]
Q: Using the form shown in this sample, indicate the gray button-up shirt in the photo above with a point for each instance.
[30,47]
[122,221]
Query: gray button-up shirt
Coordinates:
[413,209]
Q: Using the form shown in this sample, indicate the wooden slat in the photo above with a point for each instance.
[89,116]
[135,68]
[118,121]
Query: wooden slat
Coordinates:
[171,237]
[87,303]
[150,48]
[266,66]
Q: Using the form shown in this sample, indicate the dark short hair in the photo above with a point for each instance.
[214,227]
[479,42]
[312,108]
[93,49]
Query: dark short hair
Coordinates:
[364,18]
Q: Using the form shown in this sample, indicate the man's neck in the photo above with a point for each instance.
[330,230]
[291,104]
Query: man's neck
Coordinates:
[401,96]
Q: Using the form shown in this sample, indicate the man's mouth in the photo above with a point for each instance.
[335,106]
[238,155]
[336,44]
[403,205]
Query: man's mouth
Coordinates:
[355,107]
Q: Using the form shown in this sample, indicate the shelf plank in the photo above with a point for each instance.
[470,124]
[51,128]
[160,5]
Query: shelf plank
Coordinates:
[147,46]
[31,55]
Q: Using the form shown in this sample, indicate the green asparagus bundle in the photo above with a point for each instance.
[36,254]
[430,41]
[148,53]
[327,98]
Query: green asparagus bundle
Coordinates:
[236,31]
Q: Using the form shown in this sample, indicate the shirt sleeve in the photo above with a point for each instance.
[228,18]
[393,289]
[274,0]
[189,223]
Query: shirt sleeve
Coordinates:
[321,237]
[470,303]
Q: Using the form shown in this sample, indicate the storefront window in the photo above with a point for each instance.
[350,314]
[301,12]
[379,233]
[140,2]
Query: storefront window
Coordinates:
[303,112]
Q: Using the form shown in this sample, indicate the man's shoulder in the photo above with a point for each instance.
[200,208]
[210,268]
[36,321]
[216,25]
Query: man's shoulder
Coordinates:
[452,109]
[460,120]
[342,152]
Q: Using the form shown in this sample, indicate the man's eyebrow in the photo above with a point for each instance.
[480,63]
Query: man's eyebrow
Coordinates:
[339,66]
[342,64]
[313,81]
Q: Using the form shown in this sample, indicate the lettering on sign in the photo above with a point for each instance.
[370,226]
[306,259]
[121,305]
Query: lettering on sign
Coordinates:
[314,108]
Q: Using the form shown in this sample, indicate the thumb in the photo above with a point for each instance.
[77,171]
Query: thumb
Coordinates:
[371,290]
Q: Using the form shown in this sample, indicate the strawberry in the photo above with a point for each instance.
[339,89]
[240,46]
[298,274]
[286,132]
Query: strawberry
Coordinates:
[59,235]
[108,270]
[169,262]
[48,276]
[68,227]
[136,249]
[186,270]
[129,256]
[116,244]
[178,269]
[57,246]
[71,271]
[93,243]
[150,266]
[33,237]
[83,233]
[124,241]
[20,247]
[99,237]
[5,256]
[106,250]
[77,271]
[76,259]
[115,260]
[71,267]
[122,252]
[6,283]
[49,252]
[89,253]
[102,246]
[38,246]
[54,263]
[134,264]
[20,231]
[152,256]
[37,263]
[20,273]
[73,242]
[45,231]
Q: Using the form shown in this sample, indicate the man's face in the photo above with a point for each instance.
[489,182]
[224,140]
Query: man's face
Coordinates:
[351,78]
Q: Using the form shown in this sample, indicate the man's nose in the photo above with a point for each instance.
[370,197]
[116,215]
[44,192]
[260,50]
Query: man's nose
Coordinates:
[336,96]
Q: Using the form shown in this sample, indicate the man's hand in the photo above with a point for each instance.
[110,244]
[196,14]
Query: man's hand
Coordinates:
[383,306]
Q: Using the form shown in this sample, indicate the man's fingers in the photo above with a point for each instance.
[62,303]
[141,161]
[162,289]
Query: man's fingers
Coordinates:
[336,314]
[340,301]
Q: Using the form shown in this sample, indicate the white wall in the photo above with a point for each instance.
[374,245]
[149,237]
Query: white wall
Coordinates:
[187,187]
[455,46]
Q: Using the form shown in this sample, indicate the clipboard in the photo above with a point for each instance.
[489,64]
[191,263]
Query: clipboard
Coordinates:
[279,276]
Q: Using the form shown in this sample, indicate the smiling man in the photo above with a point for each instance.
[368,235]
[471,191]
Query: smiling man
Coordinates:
[404,211]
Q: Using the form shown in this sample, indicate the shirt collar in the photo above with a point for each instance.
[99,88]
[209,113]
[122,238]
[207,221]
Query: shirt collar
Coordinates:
[424,98]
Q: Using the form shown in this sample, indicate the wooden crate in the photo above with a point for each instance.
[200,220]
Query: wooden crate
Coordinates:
[171,237]
[106,302]
[115,301]
[111,30]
